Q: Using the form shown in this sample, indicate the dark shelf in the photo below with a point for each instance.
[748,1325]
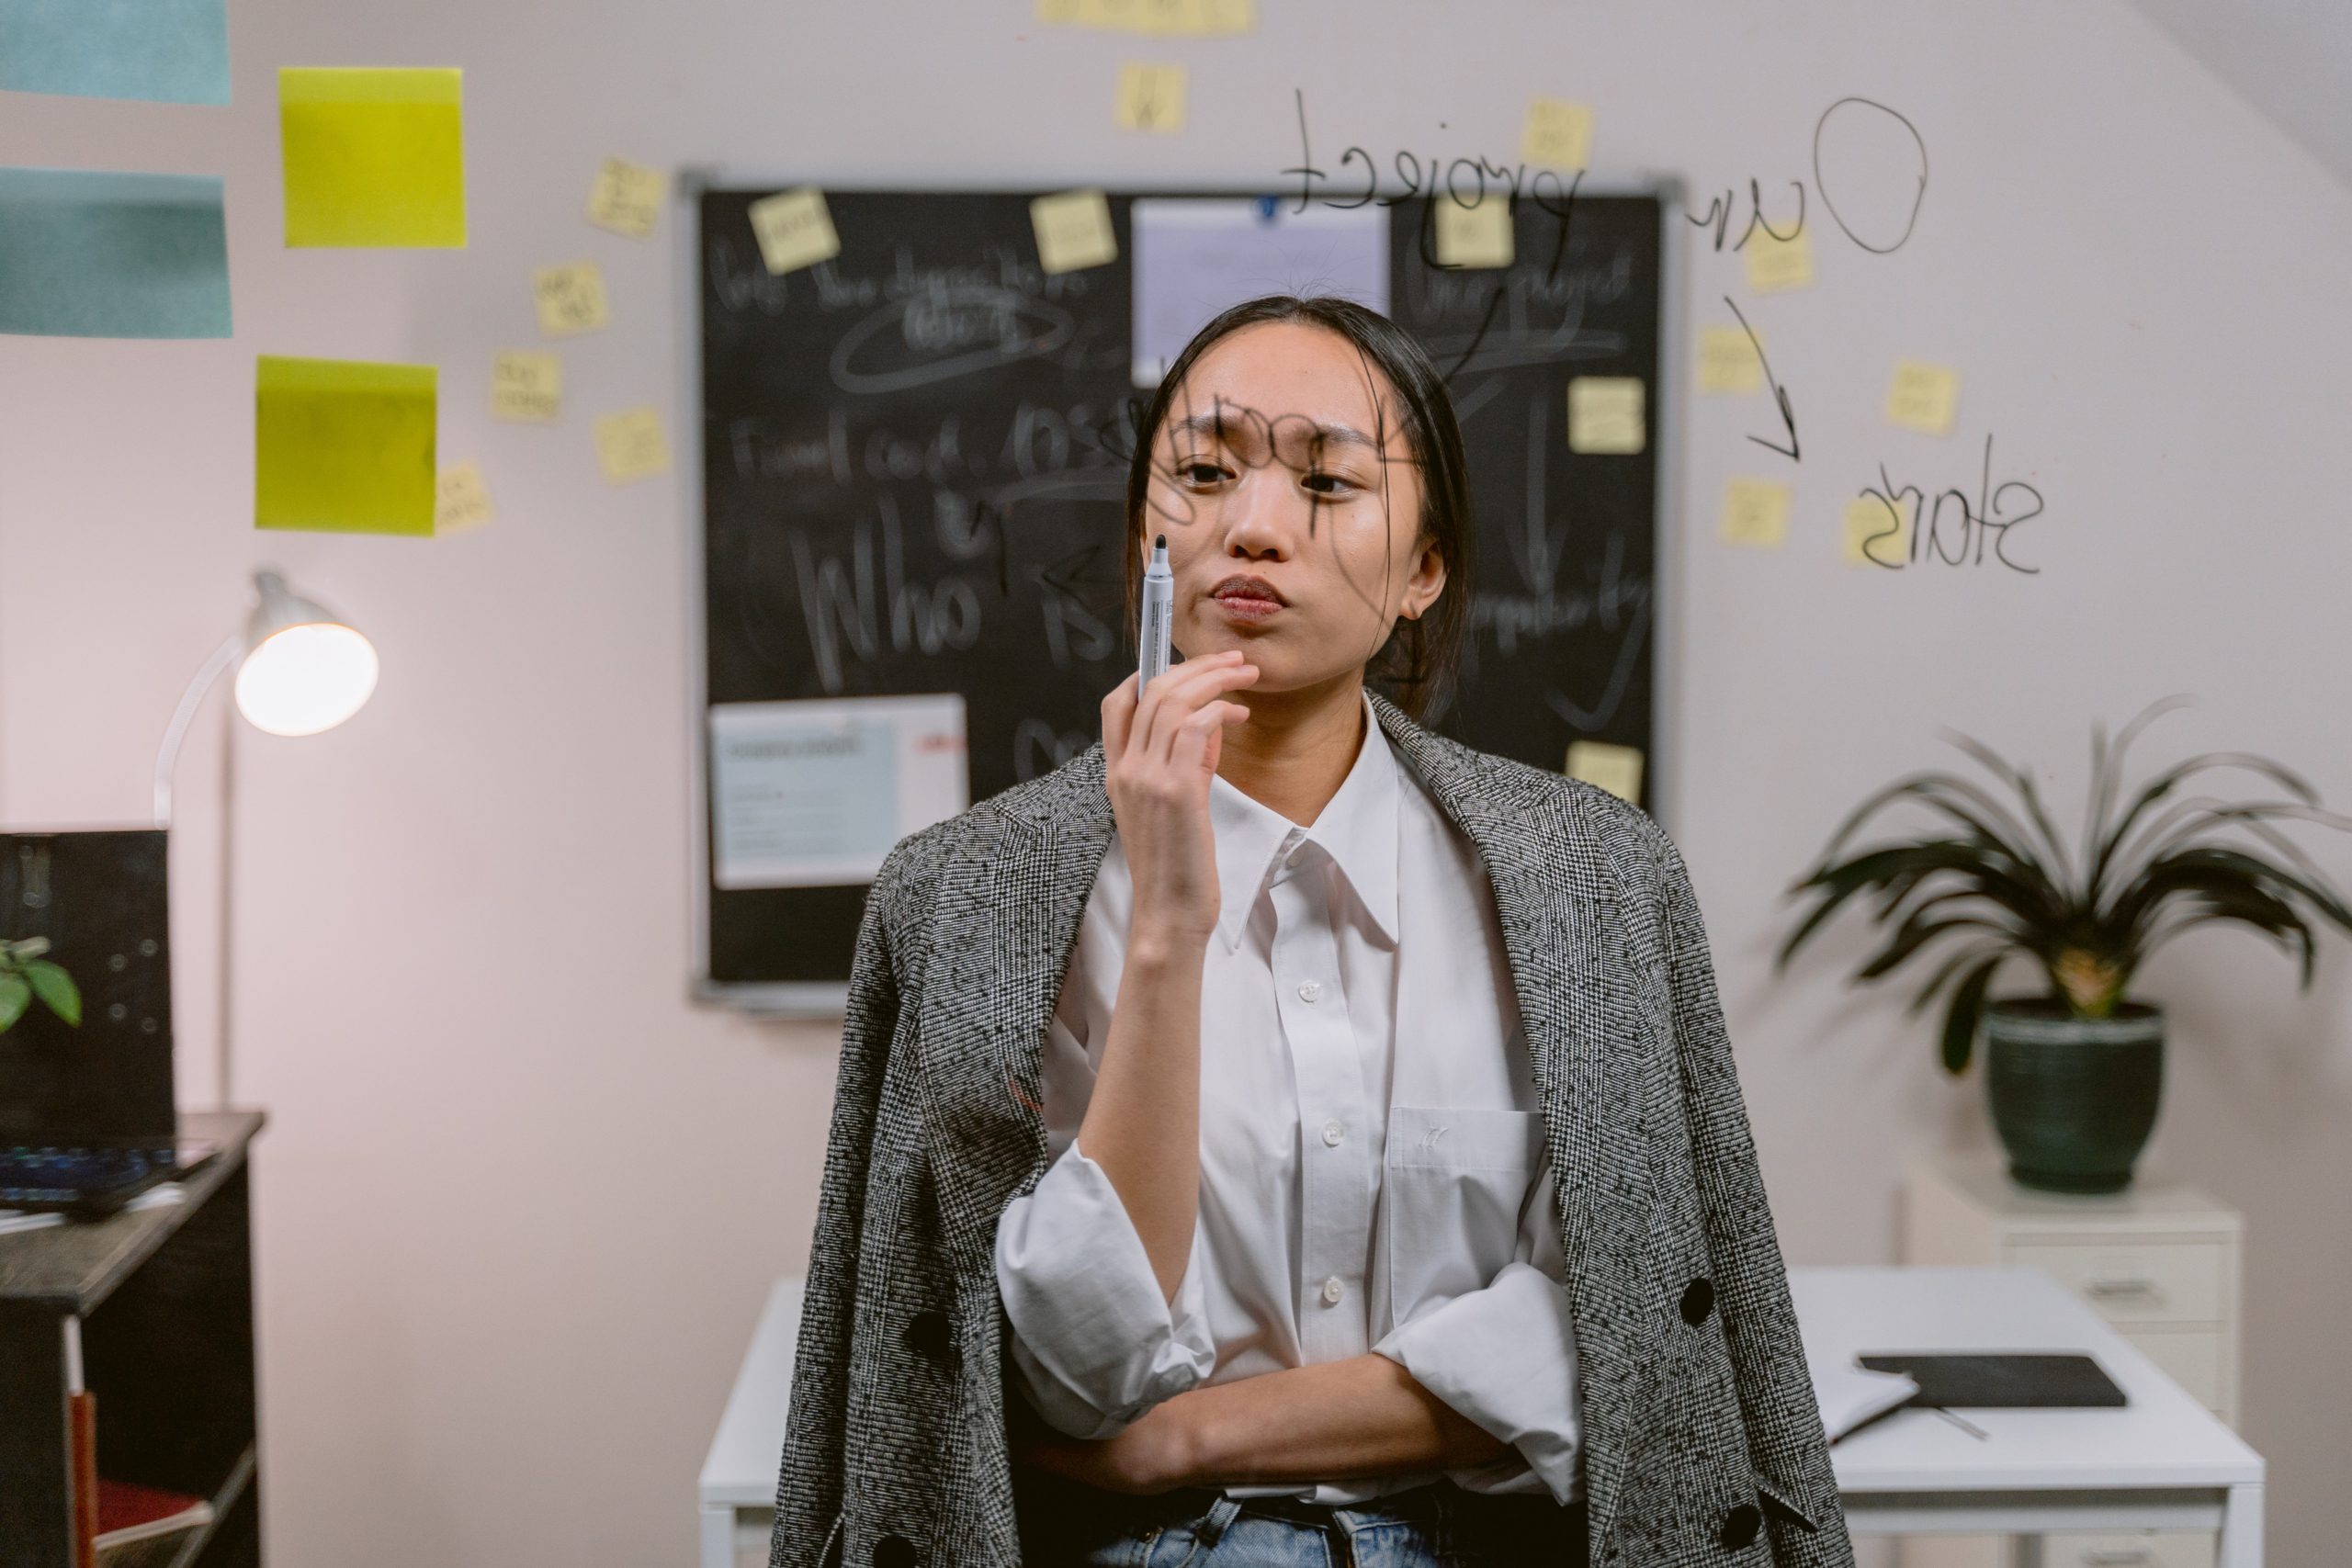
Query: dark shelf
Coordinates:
[162,1299]
[224,1502]
[75,1266]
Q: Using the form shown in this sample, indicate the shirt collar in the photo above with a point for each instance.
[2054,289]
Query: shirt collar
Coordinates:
[1357,827]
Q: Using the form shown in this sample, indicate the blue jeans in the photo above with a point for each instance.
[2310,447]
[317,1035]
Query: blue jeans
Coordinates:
[1065,1523]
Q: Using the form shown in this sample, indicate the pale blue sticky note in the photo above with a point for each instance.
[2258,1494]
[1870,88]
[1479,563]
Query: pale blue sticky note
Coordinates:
[174,51]
[89,253]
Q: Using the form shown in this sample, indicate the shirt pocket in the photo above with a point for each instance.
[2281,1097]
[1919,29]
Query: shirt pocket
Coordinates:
[1454,1181]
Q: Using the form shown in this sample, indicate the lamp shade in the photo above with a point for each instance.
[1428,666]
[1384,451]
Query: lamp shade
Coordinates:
[304,670]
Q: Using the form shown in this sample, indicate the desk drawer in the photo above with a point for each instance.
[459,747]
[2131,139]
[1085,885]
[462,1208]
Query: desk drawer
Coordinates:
[2131,1549]
[2134,1281]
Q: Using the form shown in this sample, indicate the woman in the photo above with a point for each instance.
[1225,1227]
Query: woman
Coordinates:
[1283,1135]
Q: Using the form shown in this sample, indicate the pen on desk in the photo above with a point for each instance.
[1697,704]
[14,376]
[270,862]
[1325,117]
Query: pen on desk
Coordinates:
[1969,1427]
[1159,609]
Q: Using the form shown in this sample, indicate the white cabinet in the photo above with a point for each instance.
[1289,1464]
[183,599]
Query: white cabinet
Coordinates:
[2159,1260]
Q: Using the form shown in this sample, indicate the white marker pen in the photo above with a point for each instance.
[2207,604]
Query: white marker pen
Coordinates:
[1159,610]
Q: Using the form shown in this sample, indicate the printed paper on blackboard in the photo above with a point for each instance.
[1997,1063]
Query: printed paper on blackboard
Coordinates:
[815,794]
[1193,258]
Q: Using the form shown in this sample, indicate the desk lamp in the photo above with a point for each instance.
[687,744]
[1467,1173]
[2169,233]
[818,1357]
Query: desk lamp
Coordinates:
[300,671]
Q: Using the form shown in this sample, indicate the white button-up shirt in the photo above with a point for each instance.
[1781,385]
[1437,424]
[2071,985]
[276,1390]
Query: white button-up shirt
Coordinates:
[1373,1174]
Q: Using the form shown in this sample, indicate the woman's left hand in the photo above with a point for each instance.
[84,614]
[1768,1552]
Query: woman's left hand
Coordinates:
[1151,1453]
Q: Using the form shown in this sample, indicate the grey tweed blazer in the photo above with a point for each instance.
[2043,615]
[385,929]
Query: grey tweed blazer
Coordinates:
[1703,1444]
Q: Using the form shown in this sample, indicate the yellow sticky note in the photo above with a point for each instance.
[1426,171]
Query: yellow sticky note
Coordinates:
[344,446]
[1617,769]
[1475,235]
[1777,266]
[1164,18]
[462,502]
[1605,415]
[372,157]
[795,228]
[570,298]
[1151,97]
[1073,231]
[1876,533]
[1186,18]
[1557,132]
[627,197]
[1727,361]
[1756,512]
[630,446]
[527,387]
[1924,398]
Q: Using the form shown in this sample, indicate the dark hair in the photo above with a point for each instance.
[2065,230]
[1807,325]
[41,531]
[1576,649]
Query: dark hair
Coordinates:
[1416,668]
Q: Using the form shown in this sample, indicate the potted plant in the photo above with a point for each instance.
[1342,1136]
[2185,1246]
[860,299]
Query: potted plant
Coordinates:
[24,975]
[2073,1076]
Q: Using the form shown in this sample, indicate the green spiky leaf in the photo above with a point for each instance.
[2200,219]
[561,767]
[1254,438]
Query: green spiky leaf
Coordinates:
[1967,1010]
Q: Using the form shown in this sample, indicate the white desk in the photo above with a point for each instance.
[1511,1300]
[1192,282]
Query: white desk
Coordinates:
[2162,1462]
[739,1475]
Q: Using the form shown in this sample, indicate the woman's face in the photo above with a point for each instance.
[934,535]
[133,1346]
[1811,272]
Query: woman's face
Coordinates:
[1291,500]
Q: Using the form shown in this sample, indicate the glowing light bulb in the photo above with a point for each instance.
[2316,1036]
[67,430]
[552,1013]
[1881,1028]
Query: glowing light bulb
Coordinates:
[304,679]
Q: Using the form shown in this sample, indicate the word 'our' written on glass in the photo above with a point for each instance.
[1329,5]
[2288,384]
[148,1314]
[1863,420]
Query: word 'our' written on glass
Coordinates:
[1880,162]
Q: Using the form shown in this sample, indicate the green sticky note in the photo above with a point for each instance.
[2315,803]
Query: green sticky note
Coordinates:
[171,52]
[373,157]
[343,446]
[92,253]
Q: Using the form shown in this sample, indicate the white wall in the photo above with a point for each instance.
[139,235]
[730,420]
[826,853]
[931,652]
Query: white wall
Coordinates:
[461,919]
[2289,57]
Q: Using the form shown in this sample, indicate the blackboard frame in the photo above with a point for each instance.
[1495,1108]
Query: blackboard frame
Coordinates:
[827,1000]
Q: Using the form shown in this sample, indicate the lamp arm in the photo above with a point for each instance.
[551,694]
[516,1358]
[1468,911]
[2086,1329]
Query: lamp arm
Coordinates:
[167,759]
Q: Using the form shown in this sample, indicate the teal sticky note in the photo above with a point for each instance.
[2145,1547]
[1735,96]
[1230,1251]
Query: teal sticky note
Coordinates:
[89,253]
[173,51]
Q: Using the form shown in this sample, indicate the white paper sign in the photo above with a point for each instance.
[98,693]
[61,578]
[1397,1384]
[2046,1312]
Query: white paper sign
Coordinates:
[815,794]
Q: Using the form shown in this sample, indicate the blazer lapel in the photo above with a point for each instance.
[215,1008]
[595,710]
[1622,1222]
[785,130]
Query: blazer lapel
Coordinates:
[1008,919]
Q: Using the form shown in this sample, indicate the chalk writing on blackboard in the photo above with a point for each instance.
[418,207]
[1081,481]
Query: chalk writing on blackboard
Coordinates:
[1616,602]
[843,613]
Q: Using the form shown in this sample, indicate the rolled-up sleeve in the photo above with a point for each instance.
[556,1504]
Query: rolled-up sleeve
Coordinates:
[1504,1356]
[1094,1345]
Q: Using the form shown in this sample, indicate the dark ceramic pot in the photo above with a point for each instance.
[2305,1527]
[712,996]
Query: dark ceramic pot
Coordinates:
[2074,1098]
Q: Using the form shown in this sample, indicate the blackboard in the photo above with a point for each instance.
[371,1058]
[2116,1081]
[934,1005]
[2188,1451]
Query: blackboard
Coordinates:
[926,440]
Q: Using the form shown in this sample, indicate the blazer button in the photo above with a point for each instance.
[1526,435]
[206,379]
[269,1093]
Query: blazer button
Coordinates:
[1739,1526]
[894,1551]
[1698,1300]
[928,1333]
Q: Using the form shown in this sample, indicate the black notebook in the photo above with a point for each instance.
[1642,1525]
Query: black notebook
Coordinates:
[2004,1381]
